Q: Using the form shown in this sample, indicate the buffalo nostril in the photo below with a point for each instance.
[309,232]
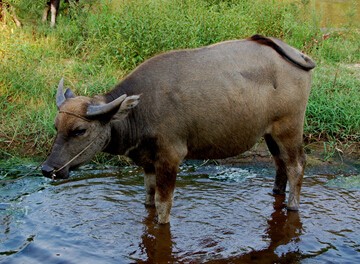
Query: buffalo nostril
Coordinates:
[47,170]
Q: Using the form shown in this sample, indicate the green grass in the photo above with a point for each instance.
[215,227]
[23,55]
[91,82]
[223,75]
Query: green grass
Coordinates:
[334,110]
[97,44]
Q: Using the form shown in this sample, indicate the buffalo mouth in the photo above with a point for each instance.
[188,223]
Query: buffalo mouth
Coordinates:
[54,173]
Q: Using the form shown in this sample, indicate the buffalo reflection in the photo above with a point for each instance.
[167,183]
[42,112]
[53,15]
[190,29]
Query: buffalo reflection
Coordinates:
[283,228]
[156,242]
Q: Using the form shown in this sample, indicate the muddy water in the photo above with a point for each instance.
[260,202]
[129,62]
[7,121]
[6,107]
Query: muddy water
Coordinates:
[221,214]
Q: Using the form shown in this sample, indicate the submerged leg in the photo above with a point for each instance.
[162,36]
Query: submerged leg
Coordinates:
[165,184]
[295,171]
[290,162]
[281,175]
[166,168]
[150,185]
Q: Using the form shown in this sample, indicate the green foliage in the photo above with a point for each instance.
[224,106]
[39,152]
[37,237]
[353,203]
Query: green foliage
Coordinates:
[333,110]
[97,43]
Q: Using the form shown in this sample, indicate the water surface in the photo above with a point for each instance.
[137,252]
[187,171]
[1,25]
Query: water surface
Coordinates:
[221,214]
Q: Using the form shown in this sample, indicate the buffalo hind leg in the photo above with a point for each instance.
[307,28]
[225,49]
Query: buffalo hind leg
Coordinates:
[281,175]
[295,166]
[290,163]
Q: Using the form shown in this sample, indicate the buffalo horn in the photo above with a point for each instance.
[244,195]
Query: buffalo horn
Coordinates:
[96,110]
[60,97]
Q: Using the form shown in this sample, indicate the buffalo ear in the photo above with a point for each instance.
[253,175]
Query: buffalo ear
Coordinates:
[129,103]
[69,94]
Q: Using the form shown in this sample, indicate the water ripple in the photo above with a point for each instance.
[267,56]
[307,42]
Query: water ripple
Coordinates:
[220,215]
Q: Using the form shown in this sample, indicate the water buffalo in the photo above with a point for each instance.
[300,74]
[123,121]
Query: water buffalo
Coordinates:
[53,7]
[206,103]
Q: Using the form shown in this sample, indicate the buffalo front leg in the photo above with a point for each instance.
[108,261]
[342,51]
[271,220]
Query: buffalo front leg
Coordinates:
[166,171]
[150,186]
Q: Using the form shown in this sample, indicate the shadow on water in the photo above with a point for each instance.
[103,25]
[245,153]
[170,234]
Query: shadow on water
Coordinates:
[221,214]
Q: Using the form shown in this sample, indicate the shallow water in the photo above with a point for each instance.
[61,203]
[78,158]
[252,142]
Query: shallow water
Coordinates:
[221,214]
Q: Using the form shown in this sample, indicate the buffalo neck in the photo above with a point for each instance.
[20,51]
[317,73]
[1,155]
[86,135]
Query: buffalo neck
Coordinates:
[124,135]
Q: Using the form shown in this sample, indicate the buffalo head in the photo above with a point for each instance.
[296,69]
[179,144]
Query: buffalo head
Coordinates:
[83,129]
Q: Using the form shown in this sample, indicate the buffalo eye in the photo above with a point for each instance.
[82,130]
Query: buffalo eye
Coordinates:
[77,132]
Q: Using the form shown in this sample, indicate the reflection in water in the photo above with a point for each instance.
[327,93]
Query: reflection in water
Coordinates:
[156,242]
[221,214]
[283,227]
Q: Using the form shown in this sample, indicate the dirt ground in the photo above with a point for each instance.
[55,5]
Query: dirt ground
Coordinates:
[345,161]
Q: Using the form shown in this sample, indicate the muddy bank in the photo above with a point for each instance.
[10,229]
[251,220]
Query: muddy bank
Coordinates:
[336,161]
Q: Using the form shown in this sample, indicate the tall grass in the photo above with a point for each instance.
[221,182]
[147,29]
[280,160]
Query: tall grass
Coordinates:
[95,45]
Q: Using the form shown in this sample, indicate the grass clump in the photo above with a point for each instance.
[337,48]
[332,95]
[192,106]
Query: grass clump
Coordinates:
[96,44]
